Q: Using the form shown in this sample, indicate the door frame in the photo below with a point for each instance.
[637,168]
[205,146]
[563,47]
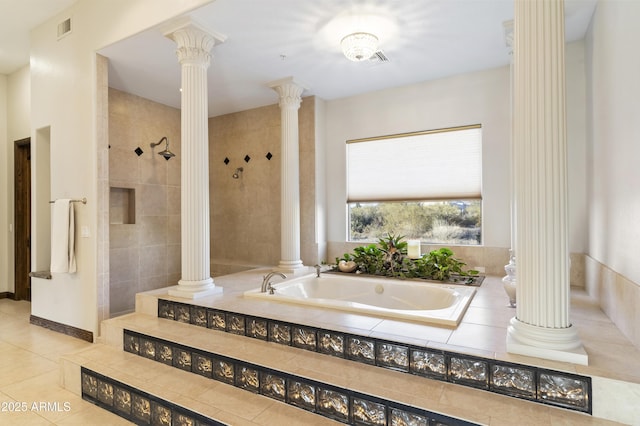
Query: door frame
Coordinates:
[22,218]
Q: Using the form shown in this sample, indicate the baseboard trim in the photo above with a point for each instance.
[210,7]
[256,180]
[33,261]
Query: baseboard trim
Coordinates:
[7,295]
[62,328]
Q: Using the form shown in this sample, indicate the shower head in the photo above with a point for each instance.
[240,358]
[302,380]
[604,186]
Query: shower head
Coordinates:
[165,153]
[237,173]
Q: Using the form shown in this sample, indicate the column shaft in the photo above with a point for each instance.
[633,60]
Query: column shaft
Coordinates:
[290,97]
[541,327]
[195,176]
[194,45]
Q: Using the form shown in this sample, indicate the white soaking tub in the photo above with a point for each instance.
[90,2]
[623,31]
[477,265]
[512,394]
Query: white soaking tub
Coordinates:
[426,302]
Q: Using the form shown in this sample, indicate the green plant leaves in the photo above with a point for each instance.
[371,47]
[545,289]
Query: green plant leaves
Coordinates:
[389,258]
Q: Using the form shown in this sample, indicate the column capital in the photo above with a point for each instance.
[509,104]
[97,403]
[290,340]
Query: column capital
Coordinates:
[194,42]
[289,90]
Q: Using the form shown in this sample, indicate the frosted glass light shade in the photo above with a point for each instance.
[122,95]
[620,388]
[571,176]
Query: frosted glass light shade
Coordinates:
[359,46]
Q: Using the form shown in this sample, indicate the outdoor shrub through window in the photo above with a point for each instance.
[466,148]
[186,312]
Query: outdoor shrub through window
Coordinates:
[437,222]
[422,185]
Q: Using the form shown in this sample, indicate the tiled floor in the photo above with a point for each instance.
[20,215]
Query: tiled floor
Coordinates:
[30,393]
[29,372]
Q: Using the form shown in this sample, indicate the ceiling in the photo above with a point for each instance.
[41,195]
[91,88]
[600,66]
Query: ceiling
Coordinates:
[17,18]
[267,40]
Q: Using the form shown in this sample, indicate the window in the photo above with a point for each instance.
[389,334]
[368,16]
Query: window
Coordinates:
[423,185]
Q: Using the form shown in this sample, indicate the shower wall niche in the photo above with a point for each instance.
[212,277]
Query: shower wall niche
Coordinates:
[122,206]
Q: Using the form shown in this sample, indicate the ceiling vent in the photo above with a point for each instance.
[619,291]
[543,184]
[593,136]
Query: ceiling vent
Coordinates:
[378,57]
[64,28]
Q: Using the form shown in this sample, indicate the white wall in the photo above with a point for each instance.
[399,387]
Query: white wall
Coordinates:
[480,97]
[18,105]
[5,241]
[63,87]
[16,116]
[577,145]
[614,171]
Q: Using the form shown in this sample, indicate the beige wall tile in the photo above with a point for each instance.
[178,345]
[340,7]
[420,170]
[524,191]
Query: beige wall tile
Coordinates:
[617,296]
[137,122]
[153,282]
[123,236]
[173,200]
[153,261]
[174,259]
[627,307]
[153,168]
[173,229]
[577,272]
[153,230]
[151,200]
[245,212]
[123,165]
[122,296]
[592,277]
[124,264]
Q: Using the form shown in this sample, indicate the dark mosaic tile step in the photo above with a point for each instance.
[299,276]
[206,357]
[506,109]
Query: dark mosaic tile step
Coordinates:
[330,401]
[517,380]
[135,405]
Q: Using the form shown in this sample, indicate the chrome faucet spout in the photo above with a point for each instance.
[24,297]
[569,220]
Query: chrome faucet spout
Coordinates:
[318,268]
[266,284]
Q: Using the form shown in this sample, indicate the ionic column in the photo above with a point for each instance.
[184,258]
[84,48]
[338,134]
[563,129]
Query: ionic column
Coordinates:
[194,45]
[541,327]
[290,97]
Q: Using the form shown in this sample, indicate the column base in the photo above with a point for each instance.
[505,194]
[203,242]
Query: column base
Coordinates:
[294,267]
[195,289]
[558,344]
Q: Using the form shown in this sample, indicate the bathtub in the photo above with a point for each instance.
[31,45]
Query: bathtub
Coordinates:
[432,303]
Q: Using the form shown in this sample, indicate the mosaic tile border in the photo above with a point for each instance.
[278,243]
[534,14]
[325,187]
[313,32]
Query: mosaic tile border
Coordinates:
[135,405]
[341,404]
[535,384]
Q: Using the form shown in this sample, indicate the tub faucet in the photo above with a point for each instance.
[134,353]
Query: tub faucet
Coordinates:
[318,267]
[266,285]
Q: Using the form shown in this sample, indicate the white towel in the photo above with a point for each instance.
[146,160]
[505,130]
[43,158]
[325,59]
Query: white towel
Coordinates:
[63,256]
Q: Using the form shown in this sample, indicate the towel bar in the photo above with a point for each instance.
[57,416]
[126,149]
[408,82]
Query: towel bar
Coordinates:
[83,201]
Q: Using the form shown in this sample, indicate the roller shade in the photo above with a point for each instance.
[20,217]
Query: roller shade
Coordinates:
[444,164]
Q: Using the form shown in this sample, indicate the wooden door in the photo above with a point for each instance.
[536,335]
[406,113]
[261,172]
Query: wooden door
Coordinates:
[22,215]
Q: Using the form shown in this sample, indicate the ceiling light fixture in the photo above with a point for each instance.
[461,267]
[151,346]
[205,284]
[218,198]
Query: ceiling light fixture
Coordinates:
[359,46]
